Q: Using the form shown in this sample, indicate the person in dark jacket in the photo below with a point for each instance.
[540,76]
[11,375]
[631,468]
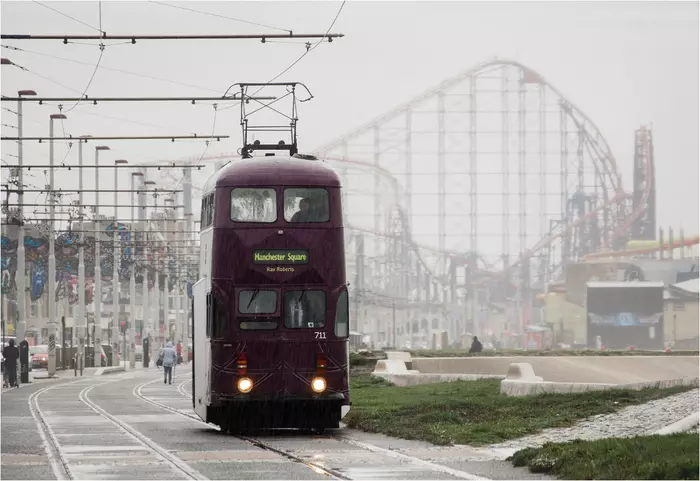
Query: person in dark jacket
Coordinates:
[476,345]
[11,355]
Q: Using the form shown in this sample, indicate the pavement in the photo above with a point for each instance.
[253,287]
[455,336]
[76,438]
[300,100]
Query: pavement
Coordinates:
[118,427]
[42,375]
[571,369]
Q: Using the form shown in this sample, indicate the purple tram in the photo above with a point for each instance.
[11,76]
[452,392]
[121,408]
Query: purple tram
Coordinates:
[271,318]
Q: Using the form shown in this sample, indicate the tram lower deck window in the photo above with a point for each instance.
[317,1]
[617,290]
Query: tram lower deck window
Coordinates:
[257,301]
[304,309]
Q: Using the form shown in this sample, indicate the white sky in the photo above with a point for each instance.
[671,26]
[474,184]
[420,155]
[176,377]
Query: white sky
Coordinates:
[623,63]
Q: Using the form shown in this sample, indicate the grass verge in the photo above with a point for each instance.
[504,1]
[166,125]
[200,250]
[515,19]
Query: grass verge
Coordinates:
[550,353]
[474,412]
[645,457]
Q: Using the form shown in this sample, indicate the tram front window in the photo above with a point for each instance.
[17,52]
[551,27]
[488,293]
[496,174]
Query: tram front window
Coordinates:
[253,205]
[306,205]
[304,309]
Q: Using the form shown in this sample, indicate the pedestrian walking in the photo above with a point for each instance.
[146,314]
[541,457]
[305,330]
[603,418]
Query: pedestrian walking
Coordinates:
[11,355]
[169,356]
[178,348]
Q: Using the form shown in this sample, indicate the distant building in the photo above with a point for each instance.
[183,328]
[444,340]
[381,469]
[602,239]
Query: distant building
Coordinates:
[682,315]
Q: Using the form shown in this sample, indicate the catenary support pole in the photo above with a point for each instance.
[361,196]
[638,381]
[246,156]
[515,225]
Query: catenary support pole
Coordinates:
[97,296]
[21,326]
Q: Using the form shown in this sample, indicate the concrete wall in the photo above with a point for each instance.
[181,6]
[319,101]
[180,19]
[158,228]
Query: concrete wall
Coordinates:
[568,320]
[580,369]
[686,326]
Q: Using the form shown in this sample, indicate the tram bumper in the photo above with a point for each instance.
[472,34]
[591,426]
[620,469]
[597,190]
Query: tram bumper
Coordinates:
[280,412]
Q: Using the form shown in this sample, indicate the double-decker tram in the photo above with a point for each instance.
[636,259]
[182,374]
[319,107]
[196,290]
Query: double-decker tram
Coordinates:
[271,320]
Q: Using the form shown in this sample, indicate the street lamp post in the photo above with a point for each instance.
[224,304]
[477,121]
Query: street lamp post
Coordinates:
[147,298]
[188,249]
[52,252]
[21,326]
[168,210]
[98,269]
[156,281]
[116,262]
[132,279]
[81,320]
[178,270]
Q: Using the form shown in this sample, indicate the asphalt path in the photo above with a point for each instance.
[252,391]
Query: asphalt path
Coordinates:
[133,426]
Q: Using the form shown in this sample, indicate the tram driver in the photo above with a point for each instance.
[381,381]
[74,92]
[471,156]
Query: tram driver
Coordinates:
[311,209]
[304,213]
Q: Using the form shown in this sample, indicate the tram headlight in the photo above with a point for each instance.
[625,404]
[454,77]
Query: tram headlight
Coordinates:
[245,385]
[318,384]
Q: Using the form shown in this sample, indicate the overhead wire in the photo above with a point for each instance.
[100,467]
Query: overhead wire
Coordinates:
[97,65]
[208,143]
[306,52]
[221,16]
[127,72]
[25,69]
[72,18]
[92,77]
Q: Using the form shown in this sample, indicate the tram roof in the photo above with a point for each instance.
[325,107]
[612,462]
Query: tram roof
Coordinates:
[269,171]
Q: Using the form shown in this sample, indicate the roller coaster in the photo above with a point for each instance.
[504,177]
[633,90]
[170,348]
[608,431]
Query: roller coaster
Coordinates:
[476,192]
[555,184]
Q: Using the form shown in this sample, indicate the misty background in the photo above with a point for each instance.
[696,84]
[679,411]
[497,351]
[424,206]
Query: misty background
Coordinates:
[622,63]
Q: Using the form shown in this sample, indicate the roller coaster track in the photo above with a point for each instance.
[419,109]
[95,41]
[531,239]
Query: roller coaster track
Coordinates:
[611,208]
[614,196]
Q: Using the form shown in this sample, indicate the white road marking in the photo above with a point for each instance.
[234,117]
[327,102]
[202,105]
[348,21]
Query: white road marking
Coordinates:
[394,454]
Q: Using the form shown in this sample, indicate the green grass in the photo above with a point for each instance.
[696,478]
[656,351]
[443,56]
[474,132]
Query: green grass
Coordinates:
[542,352]
[474,412]
[644,457]
[365,358]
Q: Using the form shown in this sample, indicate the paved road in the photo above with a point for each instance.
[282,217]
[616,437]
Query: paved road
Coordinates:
[132,426]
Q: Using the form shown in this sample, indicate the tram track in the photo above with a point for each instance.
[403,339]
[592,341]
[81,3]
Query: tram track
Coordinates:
[174,461]
[137,391]
[343,439]
[56,452]
[58,462]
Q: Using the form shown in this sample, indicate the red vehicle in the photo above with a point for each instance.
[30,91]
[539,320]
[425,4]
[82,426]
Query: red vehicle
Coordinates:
[39,356]
[271,320]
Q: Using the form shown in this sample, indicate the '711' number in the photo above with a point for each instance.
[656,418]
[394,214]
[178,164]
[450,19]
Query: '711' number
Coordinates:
[319,335]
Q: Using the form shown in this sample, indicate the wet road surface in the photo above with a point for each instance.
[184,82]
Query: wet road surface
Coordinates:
[132,426]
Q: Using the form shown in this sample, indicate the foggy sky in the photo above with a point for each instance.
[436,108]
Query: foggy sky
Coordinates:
[624,64]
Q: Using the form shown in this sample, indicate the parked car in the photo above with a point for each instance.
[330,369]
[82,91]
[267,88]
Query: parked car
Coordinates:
[39,356]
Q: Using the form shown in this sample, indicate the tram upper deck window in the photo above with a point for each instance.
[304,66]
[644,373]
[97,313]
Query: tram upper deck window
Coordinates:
[253,205]
[306,205]
[304,309]
[257,302]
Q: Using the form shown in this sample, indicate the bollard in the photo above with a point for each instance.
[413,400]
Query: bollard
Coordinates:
[146,352]
[52,355]
[24,362]
[75,365]
[132,356]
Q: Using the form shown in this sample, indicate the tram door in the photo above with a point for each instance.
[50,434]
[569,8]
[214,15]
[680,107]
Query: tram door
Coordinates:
[202,350]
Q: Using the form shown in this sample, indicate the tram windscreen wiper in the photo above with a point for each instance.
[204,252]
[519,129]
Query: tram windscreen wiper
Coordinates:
[252,298]
[301,298]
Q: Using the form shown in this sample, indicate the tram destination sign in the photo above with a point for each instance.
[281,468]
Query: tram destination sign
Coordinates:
[281,256]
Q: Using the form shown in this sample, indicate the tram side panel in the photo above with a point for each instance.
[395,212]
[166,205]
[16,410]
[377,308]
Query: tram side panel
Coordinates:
[202,352]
